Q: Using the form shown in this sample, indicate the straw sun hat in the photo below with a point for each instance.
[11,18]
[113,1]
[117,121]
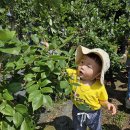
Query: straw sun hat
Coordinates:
[80,51]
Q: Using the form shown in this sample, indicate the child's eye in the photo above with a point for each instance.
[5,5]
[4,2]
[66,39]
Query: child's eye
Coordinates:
[89,66]
[82,61]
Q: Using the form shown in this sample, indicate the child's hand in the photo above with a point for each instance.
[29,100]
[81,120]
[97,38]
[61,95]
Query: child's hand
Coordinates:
[112,108]
[109,106]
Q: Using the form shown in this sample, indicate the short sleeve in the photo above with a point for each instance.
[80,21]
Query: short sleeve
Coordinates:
[103,93]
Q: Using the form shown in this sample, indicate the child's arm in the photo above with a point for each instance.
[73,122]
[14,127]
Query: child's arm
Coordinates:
[109,106]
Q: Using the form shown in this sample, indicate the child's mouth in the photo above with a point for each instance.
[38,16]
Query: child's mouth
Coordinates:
[80,72]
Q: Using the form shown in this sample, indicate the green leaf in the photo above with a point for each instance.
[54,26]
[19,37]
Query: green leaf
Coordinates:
[6,35]
[2,106]
[64,84]
[47,90]
[53,30]
[57,71]
[47,101]
[33,95]
[7,95]
[39,63]
[35,38]
[62,63]
[2,10]
[20,64]
[32,88]
[29,60]
[17,119]
[9,118]
[44,83]
[53,46]
[56,57]
[11,128]
[30,83]
[66,53]
[14,51]
[37,102]
[29,77]
[50,22]
[2,43]
[71,51]
[1,97]
[14,87]
[68,90]
[5,126]
[65,41]
[36,69]
[43,75]
[25,126]
[50,64]
[10,65]
[8,110]
[21,108]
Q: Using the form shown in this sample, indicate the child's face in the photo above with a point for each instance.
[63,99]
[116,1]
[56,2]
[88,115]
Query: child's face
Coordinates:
[88,68]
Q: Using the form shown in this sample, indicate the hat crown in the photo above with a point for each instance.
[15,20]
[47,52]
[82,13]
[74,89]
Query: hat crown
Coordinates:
[104,56]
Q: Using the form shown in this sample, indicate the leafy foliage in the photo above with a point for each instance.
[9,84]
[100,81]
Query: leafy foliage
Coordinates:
[33,75]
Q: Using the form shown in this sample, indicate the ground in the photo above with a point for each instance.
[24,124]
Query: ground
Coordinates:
[59,117]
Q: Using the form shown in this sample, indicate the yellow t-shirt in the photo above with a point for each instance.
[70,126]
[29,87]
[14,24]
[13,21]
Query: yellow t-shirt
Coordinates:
[86,97]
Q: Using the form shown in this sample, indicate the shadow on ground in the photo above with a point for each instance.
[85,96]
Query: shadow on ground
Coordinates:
[65,123]
[59,123]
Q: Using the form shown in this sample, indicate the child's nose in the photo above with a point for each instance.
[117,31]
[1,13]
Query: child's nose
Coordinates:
[82,67]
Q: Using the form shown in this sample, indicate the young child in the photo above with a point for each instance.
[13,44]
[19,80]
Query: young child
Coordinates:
[88,90]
